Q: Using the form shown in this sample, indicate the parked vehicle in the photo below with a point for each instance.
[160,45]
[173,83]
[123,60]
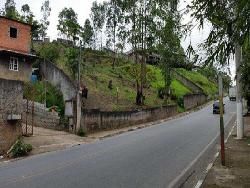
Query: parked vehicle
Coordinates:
[216,107]
[232,94]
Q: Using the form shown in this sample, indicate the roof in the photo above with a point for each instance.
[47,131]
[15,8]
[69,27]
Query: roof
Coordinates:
[16,20]
[17,54]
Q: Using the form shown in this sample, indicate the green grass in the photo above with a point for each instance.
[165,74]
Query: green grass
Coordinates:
[98,71]
[124,77]
[208,87]
[179,90]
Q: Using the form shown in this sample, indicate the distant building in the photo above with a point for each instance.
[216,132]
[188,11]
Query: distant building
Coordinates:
[15,69]
[65,41]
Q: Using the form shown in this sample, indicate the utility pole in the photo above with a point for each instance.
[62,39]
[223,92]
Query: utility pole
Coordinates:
[240,125]
[222,142]
[78,102]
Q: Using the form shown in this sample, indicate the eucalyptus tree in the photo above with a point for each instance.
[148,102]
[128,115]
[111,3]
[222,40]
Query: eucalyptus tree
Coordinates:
[26,14]
[45,9]
[98,17]
[168,34]
[10,10]
[230,24]
[114,18]
[87,34]
[68,24]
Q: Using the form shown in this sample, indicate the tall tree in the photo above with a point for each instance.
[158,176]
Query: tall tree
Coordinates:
[45,9]
[98,17]
[230,22]
[68,24]
[10,10]
[87,34]
[26,14]
[114,17]
[168,44]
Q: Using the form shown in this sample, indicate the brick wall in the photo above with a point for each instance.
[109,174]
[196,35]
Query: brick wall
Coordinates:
[42,117]
[95,120]
[23,40]
[194,100]
[11,96]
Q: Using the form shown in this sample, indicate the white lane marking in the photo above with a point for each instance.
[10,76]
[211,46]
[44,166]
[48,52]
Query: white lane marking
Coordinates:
[230,133]
[216,155]
[175,181]
[209,167]
[199,183]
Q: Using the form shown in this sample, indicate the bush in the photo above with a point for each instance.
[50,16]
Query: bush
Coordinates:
[21,149]
[82,132]
[180,102]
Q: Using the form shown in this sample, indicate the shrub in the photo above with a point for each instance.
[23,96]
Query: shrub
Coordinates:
[82,132]
[21,149]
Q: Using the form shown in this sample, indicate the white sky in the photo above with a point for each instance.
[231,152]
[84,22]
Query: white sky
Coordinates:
[83,7]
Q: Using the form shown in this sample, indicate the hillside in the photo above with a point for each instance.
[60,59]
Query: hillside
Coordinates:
[97,72]
[208,86]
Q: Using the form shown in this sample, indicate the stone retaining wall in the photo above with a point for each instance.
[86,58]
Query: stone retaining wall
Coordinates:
[95,120]
[11,96]
[42,117]
[194,100]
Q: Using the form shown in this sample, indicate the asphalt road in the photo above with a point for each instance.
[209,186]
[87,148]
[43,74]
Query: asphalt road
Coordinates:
[146,158]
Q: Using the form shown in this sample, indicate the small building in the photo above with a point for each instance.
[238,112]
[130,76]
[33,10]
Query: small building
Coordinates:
[15,69]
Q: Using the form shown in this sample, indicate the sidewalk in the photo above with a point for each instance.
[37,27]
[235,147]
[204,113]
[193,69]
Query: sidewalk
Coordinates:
[237,171]
[46,140]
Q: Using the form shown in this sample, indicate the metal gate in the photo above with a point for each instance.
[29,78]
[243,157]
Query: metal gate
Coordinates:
[28,118]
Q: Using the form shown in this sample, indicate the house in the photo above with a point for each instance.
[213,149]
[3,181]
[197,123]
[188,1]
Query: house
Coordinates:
[15,69]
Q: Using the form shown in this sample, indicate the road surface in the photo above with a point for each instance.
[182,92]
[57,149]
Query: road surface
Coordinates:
[146,158]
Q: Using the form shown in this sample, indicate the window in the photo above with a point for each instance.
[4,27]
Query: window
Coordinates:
[13,64]
[13,32]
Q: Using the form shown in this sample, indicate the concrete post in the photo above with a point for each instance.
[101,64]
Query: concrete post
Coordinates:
[78,112]
[222,142]
[240,125]
[78,97]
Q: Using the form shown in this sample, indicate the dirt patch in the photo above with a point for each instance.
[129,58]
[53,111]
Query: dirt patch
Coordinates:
[236,173]
[46,140]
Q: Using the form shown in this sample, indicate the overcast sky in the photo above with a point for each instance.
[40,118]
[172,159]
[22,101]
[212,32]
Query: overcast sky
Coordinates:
[82,8]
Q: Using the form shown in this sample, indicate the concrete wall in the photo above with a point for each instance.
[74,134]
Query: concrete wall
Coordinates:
[192,86]
[42,117]
[194,100]
[96,120]
[59,79]
[23,40]
[11,97]
[23,73]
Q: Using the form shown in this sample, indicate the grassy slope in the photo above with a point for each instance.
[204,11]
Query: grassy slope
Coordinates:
[123,77]
[208,87]
[96,76]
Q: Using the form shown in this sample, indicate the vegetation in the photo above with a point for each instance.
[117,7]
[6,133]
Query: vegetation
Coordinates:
[44,92]
[208,87]
[147,28]
[229,20]
[21,149]
[82,132]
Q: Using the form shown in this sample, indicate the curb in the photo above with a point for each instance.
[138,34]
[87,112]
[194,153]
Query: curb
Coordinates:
[145,125]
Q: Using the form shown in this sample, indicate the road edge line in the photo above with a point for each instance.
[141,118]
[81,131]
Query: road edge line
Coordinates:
[182,176]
